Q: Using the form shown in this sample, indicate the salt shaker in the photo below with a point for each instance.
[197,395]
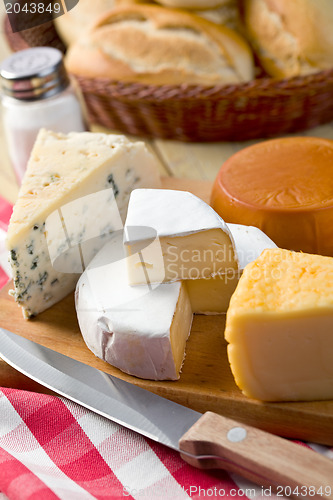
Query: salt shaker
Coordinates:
[36,93]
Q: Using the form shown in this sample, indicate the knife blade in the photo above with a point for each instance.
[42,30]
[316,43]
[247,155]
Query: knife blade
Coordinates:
[203,440]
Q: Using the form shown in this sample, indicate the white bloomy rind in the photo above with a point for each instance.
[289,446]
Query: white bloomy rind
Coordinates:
[194,240]
[249,241]
[176,213]
[141,330]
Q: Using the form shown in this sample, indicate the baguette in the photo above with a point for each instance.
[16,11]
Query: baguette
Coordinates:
[155,45]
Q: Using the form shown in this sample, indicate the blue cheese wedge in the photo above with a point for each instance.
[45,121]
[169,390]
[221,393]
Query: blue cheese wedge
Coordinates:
[63,168]
[173,235]
[142,330]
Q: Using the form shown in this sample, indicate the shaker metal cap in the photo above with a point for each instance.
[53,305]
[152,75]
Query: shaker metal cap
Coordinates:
[33,74]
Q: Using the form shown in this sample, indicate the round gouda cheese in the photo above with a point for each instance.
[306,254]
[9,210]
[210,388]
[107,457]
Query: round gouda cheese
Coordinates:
[285,188]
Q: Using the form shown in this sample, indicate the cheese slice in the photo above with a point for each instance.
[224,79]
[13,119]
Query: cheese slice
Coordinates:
[212,295]
[279,327]
[192,239]
[141,330]
[63,168]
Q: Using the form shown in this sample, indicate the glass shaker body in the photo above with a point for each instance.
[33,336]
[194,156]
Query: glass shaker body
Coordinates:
[27,108]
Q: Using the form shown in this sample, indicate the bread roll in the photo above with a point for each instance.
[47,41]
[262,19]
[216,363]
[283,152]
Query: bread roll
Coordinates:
[291,37]
[74,23]
[193,4]
[156,45]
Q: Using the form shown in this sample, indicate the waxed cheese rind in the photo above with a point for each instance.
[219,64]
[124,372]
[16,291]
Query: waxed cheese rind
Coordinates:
[284,187]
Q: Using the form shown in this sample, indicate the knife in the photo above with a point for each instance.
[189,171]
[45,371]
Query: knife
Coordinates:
[203,440]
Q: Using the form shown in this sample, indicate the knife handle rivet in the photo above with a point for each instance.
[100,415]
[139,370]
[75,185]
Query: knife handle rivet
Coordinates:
[236,434]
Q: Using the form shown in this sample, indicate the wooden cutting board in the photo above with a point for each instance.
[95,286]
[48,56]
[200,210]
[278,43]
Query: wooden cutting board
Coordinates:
[206,382]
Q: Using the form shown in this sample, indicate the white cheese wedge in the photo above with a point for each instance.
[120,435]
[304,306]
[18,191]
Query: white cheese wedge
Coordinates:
[212,295]
[141,330]
[192,239]
[280,327]
[63,168]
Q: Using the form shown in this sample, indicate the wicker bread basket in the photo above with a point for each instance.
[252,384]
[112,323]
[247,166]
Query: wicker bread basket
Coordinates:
[261,108]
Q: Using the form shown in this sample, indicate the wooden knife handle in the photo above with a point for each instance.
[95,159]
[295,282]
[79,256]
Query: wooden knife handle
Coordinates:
[268,460]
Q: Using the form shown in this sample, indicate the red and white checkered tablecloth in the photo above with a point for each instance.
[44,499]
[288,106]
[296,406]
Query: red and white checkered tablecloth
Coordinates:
[52,448]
